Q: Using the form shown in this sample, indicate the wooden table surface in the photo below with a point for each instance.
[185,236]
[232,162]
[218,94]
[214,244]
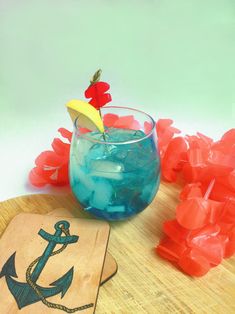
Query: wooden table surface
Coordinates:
[144,283]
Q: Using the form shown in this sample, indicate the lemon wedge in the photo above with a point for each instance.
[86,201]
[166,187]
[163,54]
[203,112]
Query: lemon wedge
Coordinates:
[88,116]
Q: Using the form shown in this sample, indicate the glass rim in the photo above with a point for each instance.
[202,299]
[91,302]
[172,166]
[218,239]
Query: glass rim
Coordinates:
[124,142]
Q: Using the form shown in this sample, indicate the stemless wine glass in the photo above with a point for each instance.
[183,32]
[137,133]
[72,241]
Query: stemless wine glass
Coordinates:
[116,174]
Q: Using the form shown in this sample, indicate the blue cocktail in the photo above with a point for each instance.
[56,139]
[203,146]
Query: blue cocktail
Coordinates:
[117,175]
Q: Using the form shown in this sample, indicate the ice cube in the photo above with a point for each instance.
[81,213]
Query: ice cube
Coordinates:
[97,151]
[106,166]
[123,135]
[82,192]
[137,158]
[80,149]
[102,194]
[78,175]
[138,134]
[116,209]
[106,169]
[121,153]
[108,175]
[82,185]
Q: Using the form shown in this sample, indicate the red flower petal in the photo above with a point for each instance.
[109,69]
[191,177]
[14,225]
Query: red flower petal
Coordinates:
[127,122]
[163,124]
[60,147]
[109,119]
[229,136]
[35,179]
[170,249]
[229,249]
[193,263]
[199,141]
[124,122]
[175,231]
[207,242]
[61,177]
[202,233]
[207,140]
[66,134]
[219,159]
[49,159]
[172,158]
[84,130]
[221,193]
[228,214]
[191,190]
[165,133]
[197,157]
[147,127]
[195,174]
[193,213]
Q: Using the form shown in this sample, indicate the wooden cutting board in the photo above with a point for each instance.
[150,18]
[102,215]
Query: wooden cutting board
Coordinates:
[145,283]
[51,264]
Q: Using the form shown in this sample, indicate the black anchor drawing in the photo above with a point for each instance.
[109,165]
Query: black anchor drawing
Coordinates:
[25,293]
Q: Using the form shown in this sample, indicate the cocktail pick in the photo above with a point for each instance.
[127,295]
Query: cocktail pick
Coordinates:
[97,92]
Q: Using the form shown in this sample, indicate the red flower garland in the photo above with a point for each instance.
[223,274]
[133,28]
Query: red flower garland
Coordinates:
[203,232]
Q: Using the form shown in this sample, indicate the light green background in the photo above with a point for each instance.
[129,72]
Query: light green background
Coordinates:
[171,58]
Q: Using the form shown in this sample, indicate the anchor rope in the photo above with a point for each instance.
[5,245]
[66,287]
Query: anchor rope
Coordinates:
[38,292]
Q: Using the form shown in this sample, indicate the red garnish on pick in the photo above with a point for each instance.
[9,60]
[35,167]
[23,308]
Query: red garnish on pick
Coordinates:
[97,91]
[98,95]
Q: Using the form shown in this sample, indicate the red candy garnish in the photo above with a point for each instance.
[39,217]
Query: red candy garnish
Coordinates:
[97,93]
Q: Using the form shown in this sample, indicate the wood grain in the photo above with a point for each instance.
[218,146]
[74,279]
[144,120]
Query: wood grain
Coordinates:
[110,264]
[86,256]
[145,283]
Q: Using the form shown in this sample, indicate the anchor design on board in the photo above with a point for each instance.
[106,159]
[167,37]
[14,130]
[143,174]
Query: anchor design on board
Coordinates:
[29,292]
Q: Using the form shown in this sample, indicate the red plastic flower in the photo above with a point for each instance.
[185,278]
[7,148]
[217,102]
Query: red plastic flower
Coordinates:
[173,158]
[52,166]
[165,132]
[123,122]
